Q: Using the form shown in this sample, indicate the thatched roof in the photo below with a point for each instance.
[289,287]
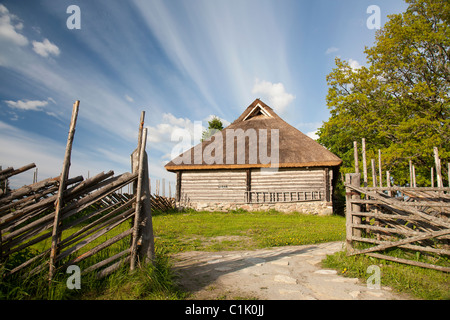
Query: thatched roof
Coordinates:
[295,148]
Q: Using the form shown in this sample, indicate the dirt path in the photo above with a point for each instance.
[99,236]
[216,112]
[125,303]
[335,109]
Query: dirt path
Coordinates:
[283,273]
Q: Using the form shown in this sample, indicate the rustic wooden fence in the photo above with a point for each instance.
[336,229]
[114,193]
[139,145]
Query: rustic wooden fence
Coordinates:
[71,220]
[415,219]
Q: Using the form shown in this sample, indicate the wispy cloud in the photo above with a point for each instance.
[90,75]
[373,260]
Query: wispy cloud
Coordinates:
[331,50]
[35,105]
[8,30]
[45,48]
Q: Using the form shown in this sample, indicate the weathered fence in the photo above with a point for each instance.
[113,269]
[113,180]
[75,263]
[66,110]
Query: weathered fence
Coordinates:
[413,218]
[63,221]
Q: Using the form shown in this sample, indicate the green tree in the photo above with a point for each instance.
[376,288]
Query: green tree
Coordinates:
[400,101]
[214,125]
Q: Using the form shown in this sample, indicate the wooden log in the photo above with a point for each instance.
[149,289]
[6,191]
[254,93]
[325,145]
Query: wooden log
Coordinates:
[93,237]
[352,179]
[62,187]
[437,162]
[364,161]
[432,177]
[100,223]
[178,186]
[17,171]
[410,262]
[374,173]
[147,249]
[355,156]
[406,246]
[380,183]
[100,247]
[399,205]
[139,194]
[410,174]
[112,268]
[106,261]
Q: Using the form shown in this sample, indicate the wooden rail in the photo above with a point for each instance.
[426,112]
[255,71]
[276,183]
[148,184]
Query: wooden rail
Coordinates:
[284,196]
[77,214]
[413,218]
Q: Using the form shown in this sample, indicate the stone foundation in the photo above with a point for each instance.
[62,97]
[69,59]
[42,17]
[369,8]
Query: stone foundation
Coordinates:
[321,208]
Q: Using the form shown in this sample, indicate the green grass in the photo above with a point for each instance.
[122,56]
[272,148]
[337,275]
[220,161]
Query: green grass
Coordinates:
[174,232]
[216,231]
[241,230]
[418,282]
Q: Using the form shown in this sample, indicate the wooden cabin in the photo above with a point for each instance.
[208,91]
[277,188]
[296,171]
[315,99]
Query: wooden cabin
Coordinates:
[258,162]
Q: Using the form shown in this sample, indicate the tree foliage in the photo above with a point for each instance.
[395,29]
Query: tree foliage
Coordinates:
[400,101]
[214,125]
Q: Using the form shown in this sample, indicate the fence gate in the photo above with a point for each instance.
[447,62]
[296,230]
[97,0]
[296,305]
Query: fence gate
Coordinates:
[415,219]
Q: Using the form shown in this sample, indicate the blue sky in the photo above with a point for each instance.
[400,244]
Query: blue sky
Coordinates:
[181,61]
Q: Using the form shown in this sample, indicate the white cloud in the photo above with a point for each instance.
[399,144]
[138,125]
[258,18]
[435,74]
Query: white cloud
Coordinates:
[313,135]
[45,48]
[331,50]
[8,31]
[354,64]
[128,98]
[275,93]
[27,104]
[34,105]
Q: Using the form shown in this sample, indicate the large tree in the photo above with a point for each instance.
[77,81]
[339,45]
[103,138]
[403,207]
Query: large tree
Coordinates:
[400,101]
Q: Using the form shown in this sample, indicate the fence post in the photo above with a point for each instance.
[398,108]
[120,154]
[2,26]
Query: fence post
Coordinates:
[62,186]
[353,179]
[139,194]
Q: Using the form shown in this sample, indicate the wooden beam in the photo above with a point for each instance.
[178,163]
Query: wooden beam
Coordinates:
[355,156]
[364,161]
[389,244]
[178,186]
[405,261]
[437,162]
[139,193]
[62,187]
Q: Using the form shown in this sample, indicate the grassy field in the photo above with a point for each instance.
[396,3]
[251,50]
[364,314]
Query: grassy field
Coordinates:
[418,282]
[241,230]
[213,231]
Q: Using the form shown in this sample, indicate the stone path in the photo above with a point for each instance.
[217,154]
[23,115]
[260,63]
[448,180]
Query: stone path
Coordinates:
[284,273]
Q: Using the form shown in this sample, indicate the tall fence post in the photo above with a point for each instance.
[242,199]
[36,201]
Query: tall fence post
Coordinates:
[139,194]
[62,186]
[352,179]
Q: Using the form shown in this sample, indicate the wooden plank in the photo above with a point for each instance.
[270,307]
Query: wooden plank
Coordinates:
[100,247]
[389,244]
[355,156]
[399,205]
[405,246]
[374,173]
[62,187]
[363,142]
[437,163]
[17,171]
[139,194]
[351,179]
[106,261]
[410,262]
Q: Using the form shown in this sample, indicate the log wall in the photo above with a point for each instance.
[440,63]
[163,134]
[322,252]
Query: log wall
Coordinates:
[231,185]
[214,185]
